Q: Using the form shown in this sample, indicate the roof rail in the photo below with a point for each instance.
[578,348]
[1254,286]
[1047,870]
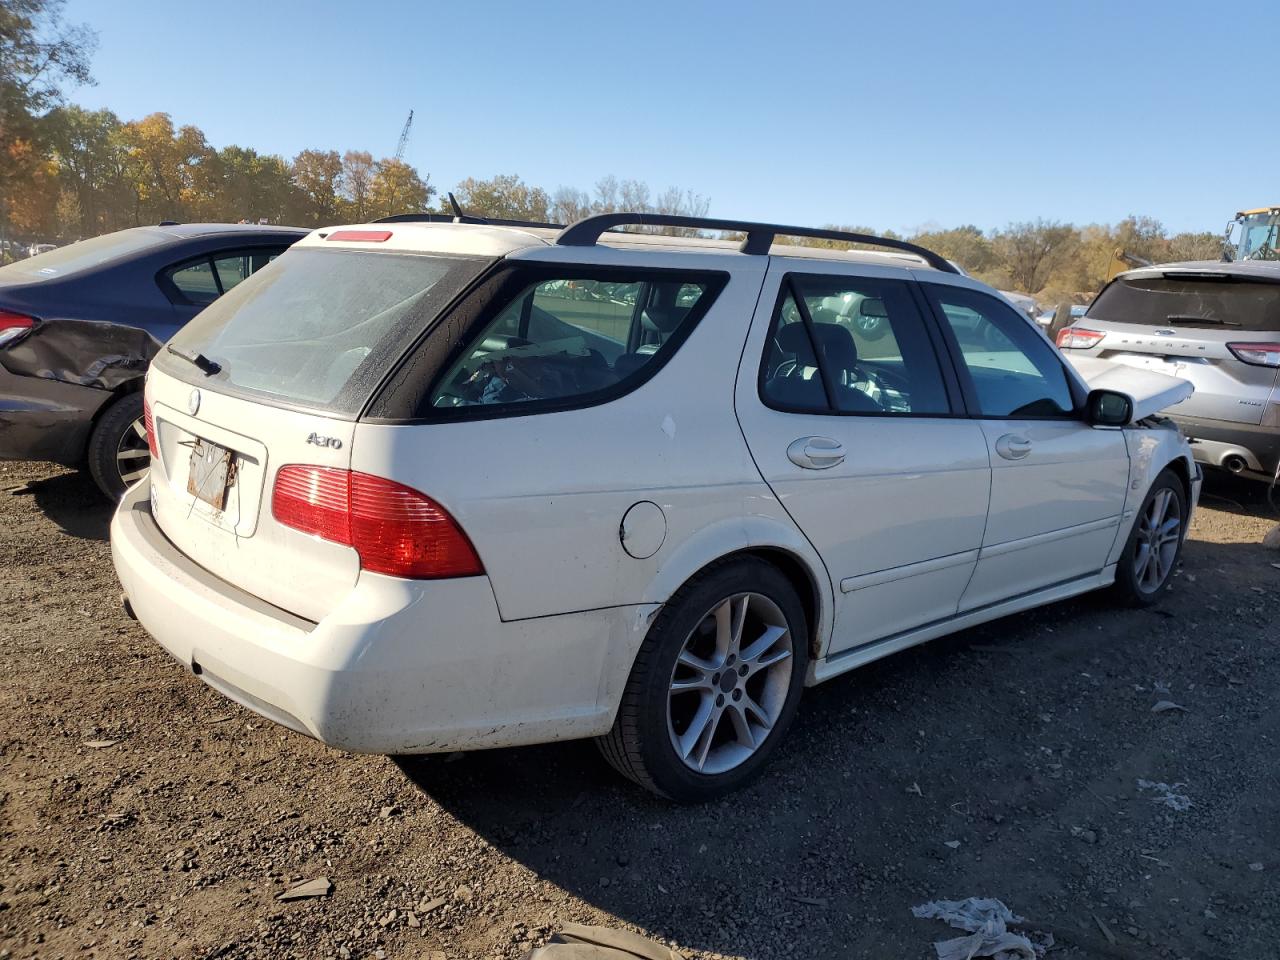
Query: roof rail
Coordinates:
[760,236]
[450,218]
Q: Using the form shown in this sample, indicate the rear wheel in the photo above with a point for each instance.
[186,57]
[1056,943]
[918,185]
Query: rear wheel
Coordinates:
[1151,553]
[118,454]
[715,685]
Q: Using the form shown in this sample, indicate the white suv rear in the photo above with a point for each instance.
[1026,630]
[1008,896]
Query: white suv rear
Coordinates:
[423,486]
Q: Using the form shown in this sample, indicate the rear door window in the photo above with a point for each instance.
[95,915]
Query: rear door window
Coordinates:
[873,353]
[196,282]
[572,340]
[1201,302]
[202,281]
[1013,371]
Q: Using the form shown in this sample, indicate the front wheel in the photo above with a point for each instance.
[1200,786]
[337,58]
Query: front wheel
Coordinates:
[715,684]
[1151,553]
[118,454]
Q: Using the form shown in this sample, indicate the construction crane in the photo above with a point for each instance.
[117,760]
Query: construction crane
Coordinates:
[404,138]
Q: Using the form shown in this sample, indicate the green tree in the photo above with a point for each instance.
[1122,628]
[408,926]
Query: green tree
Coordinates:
[86,146]
[505,197]
[252,186]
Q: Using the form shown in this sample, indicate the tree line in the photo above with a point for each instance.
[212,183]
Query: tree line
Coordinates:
[67,173]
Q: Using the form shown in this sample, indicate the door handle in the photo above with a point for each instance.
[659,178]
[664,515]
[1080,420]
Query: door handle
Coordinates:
[816,453]
[1013,447]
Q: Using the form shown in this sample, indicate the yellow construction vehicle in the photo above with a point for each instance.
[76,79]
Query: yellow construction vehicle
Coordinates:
[1257,236]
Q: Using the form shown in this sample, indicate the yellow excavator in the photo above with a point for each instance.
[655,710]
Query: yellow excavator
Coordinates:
[1253,235]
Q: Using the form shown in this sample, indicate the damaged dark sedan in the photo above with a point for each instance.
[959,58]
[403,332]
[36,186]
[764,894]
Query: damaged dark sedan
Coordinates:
[80,324]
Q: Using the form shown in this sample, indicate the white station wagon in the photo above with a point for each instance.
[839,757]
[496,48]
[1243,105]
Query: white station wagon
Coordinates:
[424,486]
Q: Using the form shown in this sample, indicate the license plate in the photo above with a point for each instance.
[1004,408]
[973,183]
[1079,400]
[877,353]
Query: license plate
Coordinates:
[211,473]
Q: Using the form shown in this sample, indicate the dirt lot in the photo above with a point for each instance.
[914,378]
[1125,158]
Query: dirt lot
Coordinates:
[1001,762]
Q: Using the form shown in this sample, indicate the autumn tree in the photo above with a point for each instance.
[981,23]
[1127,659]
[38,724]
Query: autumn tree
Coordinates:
[397,188]
[39,52]
[1031,251]
[967,246]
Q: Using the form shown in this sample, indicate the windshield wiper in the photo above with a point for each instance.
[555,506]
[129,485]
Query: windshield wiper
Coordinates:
[198,360]
[1212,321]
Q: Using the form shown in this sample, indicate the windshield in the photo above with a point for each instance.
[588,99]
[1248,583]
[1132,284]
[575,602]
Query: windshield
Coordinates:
[317,327]
[64,261]
[1258,240]
[1191,302]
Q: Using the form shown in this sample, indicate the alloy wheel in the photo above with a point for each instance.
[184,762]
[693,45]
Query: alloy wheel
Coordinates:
[133,457]
[1156,546]
[729,683]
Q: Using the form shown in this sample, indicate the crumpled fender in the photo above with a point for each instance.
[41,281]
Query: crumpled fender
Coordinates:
[84,352]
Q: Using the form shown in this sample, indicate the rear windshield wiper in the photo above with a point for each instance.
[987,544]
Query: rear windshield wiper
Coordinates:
[198,360]
[1212,321]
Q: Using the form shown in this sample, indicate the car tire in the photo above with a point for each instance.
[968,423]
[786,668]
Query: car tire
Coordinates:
[1154,546]
[117,452]
[702,711]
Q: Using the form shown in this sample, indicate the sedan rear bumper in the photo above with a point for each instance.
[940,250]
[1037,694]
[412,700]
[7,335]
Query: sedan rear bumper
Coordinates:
[399,666]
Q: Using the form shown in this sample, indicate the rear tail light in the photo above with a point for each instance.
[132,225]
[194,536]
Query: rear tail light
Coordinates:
[1078,338]
[1257,354]
[151,429]
[14,325]
[395,529]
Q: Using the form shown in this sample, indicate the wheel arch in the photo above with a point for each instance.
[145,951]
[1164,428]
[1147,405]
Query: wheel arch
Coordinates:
[113,397]
[772,541]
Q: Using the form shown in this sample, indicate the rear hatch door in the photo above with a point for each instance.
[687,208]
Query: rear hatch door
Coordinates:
[1180,323]
[276,372]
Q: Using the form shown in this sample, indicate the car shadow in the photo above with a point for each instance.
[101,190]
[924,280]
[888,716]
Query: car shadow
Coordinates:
[1239,495]
[789,857]
[73,502]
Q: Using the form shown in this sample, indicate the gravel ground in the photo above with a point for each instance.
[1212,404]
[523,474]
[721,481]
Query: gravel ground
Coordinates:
[142,815]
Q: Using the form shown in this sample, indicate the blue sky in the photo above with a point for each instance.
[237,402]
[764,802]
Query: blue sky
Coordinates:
[893,115]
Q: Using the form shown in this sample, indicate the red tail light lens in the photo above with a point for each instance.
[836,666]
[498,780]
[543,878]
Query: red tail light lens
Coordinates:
[395,529]
[1257,354]
[1078,338]
[14,325]
[151,429]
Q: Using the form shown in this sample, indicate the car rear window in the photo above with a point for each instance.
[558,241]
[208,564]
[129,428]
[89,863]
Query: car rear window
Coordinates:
[319,328]
[82,255]
[1191,302]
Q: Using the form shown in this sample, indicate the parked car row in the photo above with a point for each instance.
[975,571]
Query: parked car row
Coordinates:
[421,486]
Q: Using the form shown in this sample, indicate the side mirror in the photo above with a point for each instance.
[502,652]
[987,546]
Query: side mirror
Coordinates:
[1109,408]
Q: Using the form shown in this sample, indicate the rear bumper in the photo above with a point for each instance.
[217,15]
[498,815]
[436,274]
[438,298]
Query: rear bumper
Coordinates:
[1216,442]
[399,666]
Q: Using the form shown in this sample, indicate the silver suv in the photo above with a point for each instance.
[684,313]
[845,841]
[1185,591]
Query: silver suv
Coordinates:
[1215,324]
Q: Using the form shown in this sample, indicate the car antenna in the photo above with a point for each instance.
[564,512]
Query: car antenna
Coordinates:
[457,210]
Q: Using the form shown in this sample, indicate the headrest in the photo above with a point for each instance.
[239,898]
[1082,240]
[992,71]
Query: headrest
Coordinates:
[835,341]
[872,307]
